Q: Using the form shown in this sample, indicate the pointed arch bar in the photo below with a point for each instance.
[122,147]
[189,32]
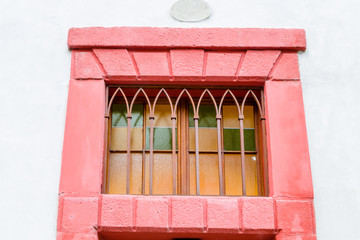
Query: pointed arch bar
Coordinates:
[219,143]
[128,164]
[173,134]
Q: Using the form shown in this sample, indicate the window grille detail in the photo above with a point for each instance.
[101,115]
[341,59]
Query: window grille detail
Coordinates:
[192,129]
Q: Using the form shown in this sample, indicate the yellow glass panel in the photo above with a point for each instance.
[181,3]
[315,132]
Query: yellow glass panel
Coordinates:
[162,174]
[192,174]
[162,116]
[117,173]
[231,116]
[119,138]
[249,117]
[209,174]
[251,175]
[233,180]
[207,139]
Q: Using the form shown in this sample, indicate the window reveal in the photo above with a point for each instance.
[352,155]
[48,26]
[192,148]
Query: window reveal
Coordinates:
[190,154]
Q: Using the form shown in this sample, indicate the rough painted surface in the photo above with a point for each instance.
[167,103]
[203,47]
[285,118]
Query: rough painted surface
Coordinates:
[79,214]
[258,64]
[258,213]
[191,215]
[84,138]
[286,68]
[116,63]
[187,65]
[288,152]
[222,65]
[86,66]
[223,215]
[184,66]
[295,216]
[206,38]
[152,214]
[187,214]
[77,236]
[111,206]
[150,71]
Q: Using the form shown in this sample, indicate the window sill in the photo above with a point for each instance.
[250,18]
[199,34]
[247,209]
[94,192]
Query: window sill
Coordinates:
[170,216]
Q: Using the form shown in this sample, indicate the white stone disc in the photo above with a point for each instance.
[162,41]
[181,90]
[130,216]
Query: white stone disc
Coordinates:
[190,10]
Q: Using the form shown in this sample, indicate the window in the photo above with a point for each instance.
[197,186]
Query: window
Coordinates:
[179,141]
[263,60]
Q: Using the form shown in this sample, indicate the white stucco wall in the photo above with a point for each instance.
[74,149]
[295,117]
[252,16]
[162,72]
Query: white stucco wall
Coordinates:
[34,73]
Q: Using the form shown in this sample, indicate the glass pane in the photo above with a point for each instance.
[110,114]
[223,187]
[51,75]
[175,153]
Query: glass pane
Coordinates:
[249,117]
[119,138]
[251,175]
[162,138]
[231,133]
[162,116]
[209,174]
[118,117]
[117,173]
[249,138]
[207,116]
[162,173]
[162,128]
[233,180]
[207,139]
[232,139]
[231,116]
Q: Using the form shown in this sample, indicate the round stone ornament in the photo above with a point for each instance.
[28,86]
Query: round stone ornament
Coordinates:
[190,10]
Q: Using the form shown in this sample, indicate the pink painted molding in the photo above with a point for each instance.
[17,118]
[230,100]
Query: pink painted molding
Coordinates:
[201,38]
[186,214]
[185,66]
[165,56]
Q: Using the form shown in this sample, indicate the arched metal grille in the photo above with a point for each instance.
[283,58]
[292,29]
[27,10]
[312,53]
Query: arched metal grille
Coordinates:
[195,98]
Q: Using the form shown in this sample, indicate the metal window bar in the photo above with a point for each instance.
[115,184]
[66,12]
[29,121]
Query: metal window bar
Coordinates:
[220,148]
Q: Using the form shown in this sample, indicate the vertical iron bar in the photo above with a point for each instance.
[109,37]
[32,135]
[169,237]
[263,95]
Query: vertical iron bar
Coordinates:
[107,149]
[183,124]
[128,153]
[186,140]
[221,179]
[223,154]
[196,119]
[174,163]
[151,164]
[264,147]
[143,152]
[242,149]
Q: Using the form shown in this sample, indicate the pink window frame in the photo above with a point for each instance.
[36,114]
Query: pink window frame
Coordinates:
[208,56]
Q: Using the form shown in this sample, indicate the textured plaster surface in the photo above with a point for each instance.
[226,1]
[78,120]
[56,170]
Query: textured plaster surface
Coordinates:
[35,68]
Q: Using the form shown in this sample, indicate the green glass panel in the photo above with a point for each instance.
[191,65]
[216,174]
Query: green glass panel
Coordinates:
[249,137]
[119,115]
[162,138]
[207,116]
[232,139]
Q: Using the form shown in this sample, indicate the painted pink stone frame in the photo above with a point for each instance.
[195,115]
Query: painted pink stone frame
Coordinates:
[208,56]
